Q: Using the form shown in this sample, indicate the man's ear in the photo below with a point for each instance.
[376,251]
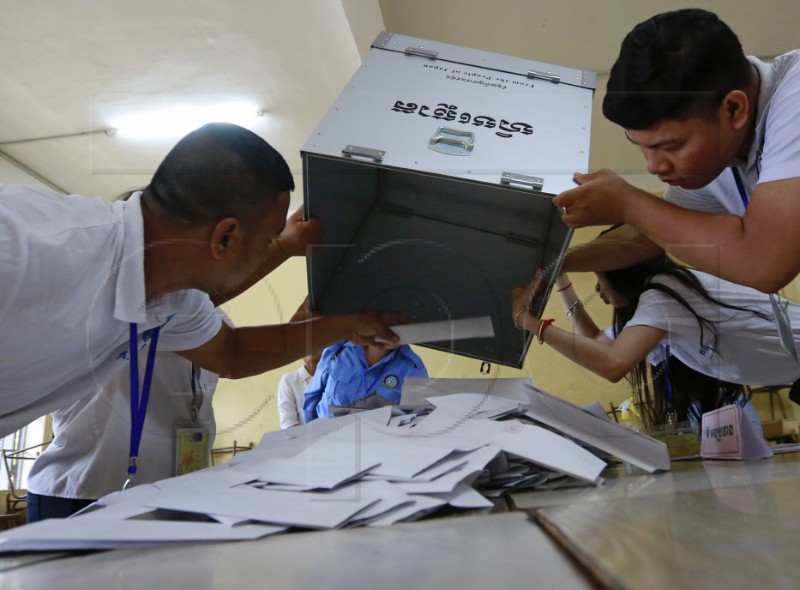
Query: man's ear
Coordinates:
[225,237]
[735,108]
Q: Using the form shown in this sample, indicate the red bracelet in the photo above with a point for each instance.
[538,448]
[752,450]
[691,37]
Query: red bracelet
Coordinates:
[563,288]
[542,327]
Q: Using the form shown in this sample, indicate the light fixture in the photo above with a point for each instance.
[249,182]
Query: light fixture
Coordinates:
[178,121]
[109,132]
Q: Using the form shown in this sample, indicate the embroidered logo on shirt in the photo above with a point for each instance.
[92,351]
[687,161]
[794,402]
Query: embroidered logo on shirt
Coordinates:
[391,381]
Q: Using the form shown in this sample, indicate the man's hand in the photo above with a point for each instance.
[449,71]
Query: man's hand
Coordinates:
[303,312]
[299,233]
[521,298]
[373,326]
[601,198]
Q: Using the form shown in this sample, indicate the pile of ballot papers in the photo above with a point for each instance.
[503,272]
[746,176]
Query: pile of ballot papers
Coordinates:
[367,468]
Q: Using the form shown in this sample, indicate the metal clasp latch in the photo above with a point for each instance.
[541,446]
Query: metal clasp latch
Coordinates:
[453,142]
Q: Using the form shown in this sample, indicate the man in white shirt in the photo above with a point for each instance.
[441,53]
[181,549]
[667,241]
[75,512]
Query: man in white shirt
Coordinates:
[85,284]
[292,390]
[721,130]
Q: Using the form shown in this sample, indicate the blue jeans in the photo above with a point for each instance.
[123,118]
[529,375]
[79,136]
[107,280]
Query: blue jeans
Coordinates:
[42,507]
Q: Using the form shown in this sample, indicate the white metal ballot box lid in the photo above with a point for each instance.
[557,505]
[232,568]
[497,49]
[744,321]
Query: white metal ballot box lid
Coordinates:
[433,174]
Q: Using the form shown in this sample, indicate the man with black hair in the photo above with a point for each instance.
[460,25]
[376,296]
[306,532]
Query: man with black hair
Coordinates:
[85,285]
[721,130]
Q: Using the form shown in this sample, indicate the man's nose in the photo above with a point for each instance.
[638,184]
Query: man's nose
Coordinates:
[656,163]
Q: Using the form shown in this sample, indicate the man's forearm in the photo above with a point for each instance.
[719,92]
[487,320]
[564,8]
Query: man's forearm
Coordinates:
[619,248]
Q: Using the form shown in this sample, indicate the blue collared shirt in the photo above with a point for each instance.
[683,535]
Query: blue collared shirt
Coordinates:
[342,377]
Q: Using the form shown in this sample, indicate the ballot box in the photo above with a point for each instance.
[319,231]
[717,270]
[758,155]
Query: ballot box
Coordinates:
[433,173]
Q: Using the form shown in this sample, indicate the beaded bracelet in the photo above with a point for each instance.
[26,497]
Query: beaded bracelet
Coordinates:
[573,308]
[542,327]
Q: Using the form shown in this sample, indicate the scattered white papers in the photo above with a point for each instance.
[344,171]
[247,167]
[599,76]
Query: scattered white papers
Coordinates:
[371,468]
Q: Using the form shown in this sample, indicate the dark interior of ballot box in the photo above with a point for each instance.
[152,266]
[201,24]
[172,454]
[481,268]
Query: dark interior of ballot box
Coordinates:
[430,247]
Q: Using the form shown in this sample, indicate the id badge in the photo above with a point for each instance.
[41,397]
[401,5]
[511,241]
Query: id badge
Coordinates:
[192,449]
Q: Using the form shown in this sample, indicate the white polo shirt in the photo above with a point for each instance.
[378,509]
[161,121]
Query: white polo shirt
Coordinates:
[291,393]
[89,456]
[747,348]
[71,282]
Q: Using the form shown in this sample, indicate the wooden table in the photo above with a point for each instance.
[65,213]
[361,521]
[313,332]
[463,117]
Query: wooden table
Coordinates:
[720,524]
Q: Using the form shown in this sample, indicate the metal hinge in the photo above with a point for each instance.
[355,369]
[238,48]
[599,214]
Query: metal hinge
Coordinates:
[422,52]
[356,151]
[547,76]
[535,183]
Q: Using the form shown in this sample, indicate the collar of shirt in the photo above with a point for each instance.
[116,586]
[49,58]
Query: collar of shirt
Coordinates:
[130,305]
[765,91]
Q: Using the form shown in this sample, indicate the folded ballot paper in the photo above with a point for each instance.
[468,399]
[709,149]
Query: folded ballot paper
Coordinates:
[445,330]
[372,468]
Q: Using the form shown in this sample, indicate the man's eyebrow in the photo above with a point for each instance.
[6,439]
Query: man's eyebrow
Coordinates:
[657,144]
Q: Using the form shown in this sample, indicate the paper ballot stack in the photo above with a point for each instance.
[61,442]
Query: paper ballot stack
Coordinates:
[371,468]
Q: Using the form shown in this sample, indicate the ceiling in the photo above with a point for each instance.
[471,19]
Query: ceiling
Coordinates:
[75,67]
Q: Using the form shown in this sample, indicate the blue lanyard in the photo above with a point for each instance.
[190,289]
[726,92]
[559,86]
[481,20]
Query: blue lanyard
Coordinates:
[139,404]
[740,186]
[738,179]
[197,401]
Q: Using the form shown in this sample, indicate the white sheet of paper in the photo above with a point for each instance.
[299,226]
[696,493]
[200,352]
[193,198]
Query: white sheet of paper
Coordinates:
[310,471]
[398,455]
[301,509]
[205,478]
[446,330]
[417,389]
[542,447]
[111,528]
[446,483]
[636,448]
[422,505]
[465,496]
[390,499]
[441,427]
[476,405]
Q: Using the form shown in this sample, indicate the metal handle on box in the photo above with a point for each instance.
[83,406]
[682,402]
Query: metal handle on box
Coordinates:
[446,139]
[355,151]
[535,183]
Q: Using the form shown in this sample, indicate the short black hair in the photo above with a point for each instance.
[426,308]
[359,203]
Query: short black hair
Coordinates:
[219,170]
[674,65]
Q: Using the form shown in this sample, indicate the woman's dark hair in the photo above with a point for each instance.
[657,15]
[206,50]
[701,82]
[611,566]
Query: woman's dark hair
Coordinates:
[682,390]
[688,385]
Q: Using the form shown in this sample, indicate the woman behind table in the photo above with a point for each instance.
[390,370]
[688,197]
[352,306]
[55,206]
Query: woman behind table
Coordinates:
[717,328]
